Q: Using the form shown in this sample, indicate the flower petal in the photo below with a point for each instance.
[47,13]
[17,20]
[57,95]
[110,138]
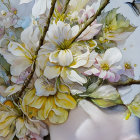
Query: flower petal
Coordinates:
[81,60]
[46,108]
[52,71]
[90,32]
[112,56]
[40,7]
[58,115]
[91,59]
[92,71]
[19,124]
[65,101]
[19,65]
[75,30]
[44,88]
[37,102]
[12,89]
[30,37]
[25,1]
[76,88]
[54,57]
[16,49]
[29,97]
[63,88]
[103,74]
[76,77]
[65,57]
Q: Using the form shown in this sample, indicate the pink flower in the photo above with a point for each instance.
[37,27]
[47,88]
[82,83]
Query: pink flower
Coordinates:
[106,66]
[127,70]
[85,14]
[7,19]
[90,31]
[14,10]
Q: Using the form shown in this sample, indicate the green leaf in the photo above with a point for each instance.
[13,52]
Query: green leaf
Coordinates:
[134,107]
[4,70]
[4,64]
[114,24]
[105,96]
[106,92]
[111,16]
[106,103]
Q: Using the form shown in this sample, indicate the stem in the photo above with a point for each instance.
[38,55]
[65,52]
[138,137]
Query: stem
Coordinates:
[65,7]
[91,19]
[27,81]
[126,83]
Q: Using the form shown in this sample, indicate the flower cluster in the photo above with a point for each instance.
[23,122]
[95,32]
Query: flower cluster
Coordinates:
[46,68]
[13,122]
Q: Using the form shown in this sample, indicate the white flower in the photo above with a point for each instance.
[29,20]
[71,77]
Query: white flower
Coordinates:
[59,58]
[41,7]
[7,19]
[21,56]
[45,87]
[63,57]
[106,66]
[127,69]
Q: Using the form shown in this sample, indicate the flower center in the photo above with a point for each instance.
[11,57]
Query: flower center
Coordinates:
[127,66]
[105,67]
[4,13]
[64,45]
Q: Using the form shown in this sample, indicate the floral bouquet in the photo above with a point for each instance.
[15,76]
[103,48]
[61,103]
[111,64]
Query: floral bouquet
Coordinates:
[66,54]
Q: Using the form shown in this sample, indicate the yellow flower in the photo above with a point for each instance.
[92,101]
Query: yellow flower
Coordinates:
[53,108]
[13,122]
[7,120]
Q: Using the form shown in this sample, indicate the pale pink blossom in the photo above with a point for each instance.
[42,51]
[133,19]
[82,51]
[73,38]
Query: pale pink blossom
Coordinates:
[7,19]
[90,31]
[106,66]
[127,70]
[85,14]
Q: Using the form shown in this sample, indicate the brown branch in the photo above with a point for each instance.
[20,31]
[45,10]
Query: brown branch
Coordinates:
[65,7]
[27,81]
[91,19]
[126,83]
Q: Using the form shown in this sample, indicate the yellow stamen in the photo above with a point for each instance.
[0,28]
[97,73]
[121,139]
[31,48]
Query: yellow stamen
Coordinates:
[135,65]
[105,66]
[127,66]
[15,12]
[9,103]
[4,13]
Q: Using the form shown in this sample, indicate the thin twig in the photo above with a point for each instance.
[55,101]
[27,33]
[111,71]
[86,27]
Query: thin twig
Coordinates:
[27,81]
[65,7]
[126,83]
[91,19]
